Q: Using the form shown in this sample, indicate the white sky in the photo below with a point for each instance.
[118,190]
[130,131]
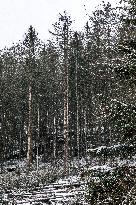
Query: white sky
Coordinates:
[17,15]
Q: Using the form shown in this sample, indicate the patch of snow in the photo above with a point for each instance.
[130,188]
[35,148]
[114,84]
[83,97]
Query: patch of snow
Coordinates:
[68,180]
[103,167]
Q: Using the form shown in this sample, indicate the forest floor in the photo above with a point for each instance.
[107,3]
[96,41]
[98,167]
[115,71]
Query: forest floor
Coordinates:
[62,192]
[47,184]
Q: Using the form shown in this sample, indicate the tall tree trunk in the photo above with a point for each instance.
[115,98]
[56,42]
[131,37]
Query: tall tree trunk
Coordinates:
[62,29]
[29,150]
[66,119]
[30,43]
[85,130]
[77,110]
[66,107]
[54,139]
[38,134]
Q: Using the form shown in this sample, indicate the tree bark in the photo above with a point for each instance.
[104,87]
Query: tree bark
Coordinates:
[29,133]
[66,107]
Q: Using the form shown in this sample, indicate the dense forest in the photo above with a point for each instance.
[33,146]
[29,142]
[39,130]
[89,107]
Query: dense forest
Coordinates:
[74,97]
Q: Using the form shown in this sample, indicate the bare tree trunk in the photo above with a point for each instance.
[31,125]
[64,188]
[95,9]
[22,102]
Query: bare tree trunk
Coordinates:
[66,107]
[66,119]
[38,124]
[85,131]
[77,112]
[29,151]
[54,140]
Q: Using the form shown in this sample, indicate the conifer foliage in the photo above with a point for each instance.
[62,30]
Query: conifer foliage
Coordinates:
[73,98]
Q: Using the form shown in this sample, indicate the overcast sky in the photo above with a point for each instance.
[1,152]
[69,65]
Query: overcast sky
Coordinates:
[17,15]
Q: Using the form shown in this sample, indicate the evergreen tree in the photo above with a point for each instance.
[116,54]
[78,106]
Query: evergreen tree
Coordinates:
[76,98]
[100,45]
[62,31]
[30,42]
[125,70]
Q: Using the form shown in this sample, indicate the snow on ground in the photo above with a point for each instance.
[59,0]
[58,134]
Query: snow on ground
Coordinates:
[101,167]
[69,180]
[64,191]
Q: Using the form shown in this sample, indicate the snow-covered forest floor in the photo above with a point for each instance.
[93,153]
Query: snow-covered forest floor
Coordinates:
[48,185]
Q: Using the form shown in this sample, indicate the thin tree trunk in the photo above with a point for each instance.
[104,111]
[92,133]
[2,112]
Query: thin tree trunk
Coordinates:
[37,155]
[66,126]
[54,140]
[66,107]
[77,113]
[29,151]
[85,131]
